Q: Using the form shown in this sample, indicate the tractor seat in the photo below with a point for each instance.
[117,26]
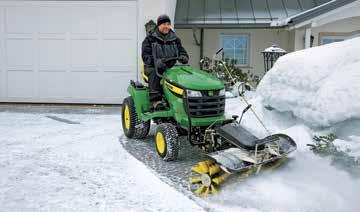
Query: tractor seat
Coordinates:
[143,74]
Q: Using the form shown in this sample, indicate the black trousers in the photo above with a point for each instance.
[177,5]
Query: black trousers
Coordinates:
[154,84]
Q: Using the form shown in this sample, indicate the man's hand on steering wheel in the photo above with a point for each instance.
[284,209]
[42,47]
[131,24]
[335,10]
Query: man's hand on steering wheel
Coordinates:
[183,59]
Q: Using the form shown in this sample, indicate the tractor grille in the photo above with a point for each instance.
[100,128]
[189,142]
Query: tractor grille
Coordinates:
[207,105]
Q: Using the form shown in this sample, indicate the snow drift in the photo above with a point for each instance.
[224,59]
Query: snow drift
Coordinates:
[319,85]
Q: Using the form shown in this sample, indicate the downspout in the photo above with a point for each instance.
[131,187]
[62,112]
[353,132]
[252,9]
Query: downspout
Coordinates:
[201,46]
[199,43]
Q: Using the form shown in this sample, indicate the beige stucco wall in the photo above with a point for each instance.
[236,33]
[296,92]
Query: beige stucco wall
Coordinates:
[186,36]
[346,26]
[259,40]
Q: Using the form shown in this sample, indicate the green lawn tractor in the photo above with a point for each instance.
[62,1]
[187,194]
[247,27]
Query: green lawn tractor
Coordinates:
[195,104]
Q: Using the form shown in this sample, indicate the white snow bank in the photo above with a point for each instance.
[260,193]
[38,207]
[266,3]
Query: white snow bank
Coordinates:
[319,85]
[300,183]
[274,121]
[351,146]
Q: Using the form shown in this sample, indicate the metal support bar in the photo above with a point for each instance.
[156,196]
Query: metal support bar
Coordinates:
[201,46]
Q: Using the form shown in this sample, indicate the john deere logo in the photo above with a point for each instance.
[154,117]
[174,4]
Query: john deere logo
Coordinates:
[211,93]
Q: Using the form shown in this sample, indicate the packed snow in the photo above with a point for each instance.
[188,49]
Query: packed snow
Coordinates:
[50,165]
[318,85]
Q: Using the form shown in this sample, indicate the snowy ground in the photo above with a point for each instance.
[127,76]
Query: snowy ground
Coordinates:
[70,161]
[73,161]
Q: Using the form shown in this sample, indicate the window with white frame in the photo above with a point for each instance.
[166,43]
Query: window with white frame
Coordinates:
[327,38]
[331,39]
[236,47]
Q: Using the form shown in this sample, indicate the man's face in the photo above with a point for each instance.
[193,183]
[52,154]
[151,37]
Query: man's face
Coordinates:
[164,27]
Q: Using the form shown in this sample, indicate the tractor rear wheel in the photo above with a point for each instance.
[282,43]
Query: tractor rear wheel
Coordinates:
[133,127]
[166,141]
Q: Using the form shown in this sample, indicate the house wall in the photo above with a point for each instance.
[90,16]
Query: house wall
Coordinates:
[346,26]
[259,40]
[299,42]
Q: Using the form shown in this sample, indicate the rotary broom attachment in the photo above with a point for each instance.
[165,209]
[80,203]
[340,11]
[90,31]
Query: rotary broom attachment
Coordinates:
[210,176]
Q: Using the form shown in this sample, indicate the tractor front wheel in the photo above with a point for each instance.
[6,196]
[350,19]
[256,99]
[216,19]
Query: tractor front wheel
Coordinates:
[166,141]
[133,127]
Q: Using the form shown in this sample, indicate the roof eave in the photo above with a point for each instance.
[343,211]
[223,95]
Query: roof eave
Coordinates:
[300,19]
[224,26]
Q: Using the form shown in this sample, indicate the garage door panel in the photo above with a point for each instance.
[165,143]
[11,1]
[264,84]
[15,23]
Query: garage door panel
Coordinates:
[53,84]
[19,52]
[20,20]
[84,52]
[20,83]
[84,20]
[114,87]
[120,52]
[120,16]
[2,84]
[2,58]
[86,84]
[2,20]
[52,53]
[123,69]
[53,20]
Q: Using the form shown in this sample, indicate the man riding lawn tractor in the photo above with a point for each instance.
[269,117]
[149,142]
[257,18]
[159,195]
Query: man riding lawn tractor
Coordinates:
[184,101]
[163,43]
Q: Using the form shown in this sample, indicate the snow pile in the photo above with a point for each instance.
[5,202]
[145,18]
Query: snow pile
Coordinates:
[305,90]
[299,184]
[319,85]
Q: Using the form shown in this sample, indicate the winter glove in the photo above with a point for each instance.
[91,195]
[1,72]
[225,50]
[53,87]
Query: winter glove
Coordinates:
[183,59]
[160,64]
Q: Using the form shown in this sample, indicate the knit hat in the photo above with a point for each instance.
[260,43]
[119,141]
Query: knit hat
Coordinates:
[163,19]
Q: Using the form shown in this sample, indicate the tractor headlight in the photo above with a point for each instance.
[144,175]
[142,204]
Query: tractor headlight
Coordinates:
[191,93]
[222,92]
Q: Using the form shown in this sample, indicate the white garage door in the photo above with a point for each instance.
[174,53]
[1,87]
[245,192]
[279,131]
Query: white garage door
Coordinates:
[67,51]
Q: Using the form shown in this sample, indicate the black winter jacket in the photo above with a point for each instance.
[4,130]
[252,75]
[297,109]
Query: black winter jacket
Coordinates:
[164,46]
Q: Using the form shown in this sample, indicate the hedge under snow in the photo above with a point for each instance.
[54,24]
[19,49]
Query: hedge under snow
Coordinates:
[320,85]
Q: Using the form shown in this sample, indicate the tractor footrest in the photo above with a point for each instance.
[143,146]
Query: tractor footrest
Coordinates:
[239,136]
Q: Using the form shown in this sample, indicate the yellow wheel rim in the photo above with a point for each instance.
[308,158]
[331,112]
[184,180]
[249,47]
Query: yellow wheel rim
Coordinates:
[160,142]
[127,117]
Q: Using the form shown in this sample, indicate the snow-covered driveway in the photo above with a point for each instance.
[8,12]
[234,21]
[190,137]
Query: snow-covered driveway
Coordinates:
[74,162]
[71,160]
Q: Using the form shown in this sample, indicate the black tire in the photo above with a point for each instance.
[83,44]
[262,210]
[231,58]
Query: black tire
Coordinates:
[132,126]
[170,149]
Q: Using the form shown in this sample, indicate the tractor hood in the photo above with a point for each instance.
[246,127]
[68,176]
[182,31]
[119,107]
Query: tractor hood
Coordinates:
[193,79]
